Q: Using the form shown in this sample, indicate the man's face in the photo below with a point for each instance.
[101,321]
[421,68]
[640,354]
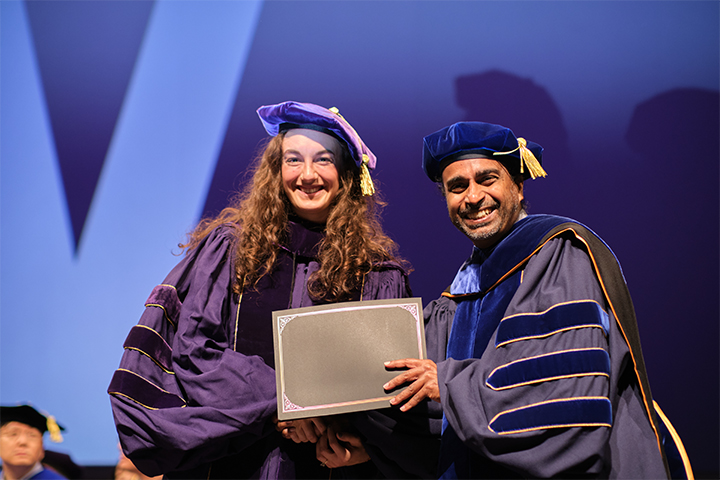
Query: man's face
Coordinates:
[20,445]
[482,199]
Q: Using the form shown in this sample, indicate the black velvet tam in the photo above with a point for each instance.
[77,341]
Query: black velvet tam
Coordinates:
[24,414]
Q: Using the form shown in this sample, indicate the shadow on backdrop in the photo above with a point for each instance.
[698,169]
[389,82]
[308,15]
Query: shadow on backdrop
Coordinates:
[517,103]
[676,136]
[530,112]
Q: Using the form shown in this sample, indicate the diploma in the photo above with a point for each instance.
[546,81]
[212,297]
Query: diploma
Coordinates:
[329,359]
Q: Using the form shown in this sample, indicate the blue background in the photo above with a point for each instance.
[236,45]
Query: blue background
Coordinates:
[122,123]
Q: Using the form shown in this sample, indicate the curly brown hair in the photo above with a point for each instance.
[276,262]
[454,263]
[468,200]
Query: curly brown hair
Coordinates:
[354,242]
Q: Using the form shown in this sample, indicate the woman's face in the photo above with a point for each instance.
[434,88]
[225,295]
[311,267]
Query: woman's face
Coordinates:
[309,173]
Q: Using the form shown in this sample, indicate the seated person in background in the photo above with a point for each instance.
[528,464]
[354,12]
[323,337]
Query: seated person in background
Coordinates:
[21,443]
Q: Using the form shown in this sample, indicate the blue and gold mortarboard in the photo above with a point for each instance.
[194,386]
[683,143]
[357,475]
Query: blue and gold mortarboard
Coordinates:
[495,142]
[29,416]
[288,115]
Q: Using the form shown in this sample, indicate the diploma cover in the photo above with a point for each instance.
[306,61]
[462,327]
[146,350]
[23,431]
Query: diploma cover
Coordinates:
[329,359]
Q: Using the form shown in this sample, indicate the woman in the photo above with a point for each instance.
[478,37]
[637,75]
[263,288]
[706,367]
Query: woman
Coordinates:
[194,396]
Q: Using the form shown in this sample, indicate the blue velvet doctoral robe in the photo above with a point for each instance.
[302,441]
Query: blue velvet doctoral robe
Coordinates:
[543,374]
[194,396]
[42,474]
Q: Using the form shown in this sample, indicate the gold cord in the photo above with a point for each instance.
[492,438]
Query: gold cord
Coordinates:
[366,184]
[526,159]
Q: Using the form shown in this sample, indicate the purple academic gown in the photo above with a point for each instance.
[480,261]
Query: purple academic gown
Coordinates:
[194,395]
[539,379]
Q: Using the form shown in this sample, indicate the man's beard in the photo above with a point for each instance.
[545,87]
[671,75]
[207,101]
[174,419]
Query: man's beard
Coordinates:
[482,233]
[476,233]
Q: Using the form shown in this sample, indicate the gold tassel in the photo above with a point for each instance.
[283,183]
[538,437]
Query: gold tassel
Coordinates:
[526,159]
[54,429]
[366,183]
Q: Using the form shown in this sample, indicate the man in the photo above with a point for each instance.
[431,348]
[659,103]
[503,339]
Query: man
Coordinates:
[544,376]
[21,443]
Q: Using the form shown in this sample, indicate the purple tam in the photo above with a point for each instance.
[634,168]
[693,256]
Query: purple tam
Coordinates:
[495,142]
[288,115]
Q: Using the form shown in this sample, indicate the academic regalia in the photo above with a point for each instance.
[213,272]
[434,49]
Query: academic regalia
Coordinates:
[30,416]
[543,374]
[47,474]
[194,396]
[40,473]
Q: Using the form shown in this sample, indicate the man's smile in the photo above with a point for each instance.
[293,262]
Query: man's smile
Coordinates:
[477,214]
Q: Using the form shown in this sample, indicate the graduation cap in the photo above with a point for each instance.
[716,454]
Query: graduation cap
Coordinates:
[465,139]
[288,115]
[29,416]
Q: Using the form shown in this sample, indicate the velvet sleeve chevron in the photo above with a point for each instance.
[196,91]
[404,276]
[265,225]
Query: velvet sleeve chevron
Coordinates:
[541,388]
[164,419]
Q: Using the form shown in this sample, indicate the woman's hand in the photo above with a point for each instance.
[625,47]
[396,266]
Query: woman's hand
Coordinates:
[301,431]
[340,449]
[422,377]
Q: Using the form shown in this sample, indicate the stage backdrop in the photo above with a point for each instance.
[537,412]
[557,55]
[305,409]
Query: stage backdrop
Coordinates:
[122,123]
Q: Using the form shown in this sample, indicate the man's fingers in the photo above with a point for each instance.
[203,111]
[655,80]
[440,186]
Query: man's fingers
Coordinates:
[403,363]
[414,400]
[402,379]
[422,380]
[396,363]
[405,395]
[416,368]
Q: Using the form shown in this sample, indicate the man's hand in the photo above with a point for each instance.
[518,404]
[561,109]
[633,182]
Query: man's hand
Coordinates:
[303,430]
[340,449]
[421,377]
